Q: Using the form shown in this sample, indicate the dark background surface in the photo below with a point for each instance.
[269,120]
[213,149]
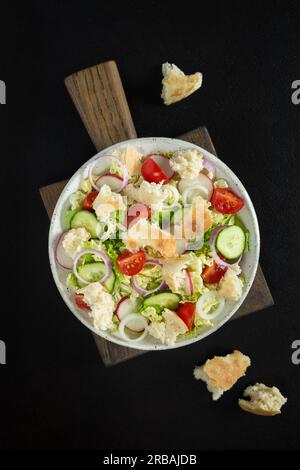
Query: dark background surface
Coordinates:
[54,392]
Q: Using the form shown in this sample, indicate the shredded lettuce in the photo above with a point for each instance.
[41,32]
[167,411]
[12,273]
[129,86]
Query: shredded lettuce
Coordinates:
[149,277]
[72,282]
[168,154]
[152,314]
[93,245]
[76,199]
[200,324]
[113,247]
[222,219]
[90,257]
[116,169]
[86,185]
[220,183]
[136,180]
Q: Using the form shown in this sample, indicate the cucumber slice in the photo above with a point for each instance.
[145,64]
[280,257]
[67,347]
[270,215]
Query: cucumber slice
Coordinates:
[68,216]
[87,220]
[164,299]
[93,272]
[231,242]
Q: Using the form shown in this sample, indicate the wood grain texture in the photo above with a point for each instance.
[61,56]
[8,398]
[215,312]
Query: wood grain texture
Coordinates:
[259,297]
[99,97]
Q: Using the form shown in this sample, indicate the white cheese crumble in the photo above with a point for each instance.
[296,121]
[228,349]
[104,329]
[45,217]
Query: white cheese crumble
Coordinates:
[101,304]
[74,239]
[187,163]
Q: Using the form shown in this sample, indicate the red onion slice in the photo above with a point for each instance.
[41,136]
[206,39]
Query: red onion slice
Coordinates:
[210,167]
[143,292]
[133,318]
[101,255]
[189,283]
[115,182]
[189,194]
[216,257]
[61,256]
[104,164]
[200,181]
[203,298]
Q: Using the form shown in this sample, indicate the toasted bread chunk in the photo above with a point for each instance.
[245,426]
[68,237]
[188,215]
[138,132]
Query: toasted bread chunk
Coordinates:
[264,401]
[177,85]
[131,158]
[142,234]
[221,373]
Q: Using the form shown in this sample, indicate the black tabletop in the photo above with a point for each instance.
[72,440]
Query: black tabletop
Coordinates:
[55,393]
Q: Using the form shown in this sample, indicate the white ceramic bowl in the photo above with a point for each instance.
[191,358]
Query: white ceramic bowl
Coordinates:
[249,261]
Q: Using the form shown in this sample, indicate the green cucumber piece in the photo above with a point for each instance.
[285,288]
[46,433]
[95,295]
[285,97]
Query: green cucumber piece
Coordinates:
[93,272]
[86,220]
[68,216]
[163,300]
[231,242]
[239,223]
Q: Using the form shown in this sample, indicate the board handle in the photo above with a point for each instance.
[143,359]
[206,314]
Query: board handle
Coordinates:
[99,97]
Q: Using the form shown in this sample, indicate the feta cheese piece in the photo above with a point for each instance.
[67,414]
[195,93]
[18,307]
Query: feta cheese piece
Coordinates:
[131,158]
[168,330]
[143,234]
[148,193]
[107,202]
[74,239]
[231,287]
[187,163]
[101,303]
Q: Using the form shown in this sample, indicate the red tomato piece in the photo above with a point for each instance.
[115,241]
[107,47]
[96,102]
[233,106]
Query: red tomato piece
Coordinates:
[226,201]
[186,312]
[213,274]
[152,172]
[88,201]
[131,263]
[80,302]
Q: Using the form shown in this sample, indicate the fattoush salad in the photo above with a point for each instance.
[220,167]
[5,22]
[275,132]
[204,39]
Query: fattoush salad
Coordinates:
[153,244]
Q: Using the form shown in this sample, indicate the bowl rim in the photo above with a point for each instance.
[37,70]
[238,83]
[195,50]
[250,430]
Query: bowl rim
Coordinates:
[155,347]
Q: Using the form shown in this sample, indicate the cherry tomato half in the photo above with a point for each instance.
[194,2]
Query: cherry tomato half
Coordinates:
[88,201]
[152,172]
[213,274]
[186,312]
[226,201]
[131,263]
[80,302]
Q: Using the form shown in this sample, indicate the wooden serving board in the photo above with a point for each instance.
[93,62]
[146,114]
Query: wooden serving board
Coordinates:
[98,95]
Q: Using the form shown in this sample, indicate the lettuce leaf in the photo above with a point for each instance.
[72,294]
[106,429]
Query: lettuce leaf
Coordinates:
[76,199]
